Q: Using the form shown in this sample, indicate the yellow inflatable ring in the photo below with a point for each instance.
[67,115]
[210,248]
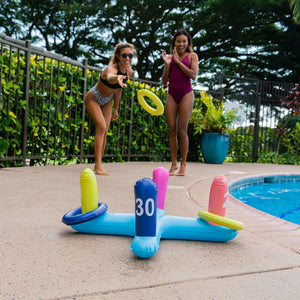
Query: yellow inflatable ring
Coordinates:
[156,112]
[227,222]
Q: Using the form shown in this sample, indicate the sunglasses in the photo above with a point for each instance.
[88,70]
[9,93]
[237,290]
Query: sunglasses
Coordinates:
[124,55]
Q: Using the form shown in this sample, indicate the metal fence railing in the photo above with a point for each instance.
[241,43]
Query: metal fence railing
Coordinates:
[259,112]
[43,117]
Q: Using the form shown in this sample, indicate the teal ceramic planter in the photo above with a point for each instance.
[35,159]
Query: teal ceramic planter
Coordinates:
[214,147]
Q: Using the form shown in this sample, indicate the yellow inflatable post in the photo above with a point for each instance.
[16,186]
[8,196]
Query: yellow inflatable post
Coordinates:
[156,112]
[89,191]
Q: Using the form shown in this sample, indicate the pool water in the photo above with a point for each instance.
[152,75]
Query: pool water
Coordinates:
[276,195]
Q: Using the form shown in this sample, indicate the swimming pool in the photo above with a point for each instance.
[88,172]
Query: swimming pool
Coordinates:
[277,195]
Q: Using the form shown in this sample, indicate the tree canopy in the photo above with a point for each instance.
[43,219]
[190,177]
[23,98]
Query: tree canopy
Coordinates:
[247,38]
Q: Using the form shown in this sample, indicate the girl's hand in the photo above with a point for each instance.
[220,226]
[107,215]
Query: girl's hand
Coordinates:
[175,55]
[120,80]
[115,115]
[166,58]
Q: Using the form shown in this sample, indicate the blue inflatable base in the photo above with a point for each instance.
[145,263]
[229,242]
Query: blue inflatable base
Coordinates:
[168,227]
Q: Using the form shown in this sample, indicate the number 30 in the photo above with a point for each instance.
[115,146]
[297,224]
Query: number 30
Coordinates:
[149,207]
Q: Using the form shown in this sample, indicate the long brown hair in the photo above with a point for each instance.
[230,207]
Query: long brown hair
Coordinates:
[182,32]
[117,51]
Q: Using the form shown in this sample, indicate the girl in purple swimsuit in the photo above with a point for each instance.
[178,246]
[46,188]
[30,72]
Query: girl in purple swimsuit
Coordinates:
[98,100]
[179,68]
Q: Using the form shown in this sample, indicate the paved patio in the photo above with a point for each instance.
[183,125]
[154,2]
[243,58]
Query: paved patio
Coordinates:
[41,258]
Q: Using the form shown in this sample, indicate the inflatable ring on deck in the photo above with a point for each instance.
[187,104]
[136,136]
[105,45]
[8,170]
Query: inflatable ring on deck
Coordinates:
[76,216]
[156,112]
[226,222]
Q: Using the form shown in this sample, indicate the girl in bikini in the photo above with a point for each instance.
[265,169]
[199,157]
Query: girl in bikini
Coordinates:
[179,68]
[98,100]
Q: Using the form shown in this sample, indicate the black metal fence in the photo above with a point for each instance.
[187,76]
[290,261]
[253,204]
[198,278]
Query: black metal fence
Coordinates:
[259,112]
[43,117]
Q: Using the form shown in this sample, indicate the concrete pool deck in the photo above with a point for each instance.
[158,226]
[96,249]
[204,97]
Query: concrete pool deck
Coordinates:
[41,258]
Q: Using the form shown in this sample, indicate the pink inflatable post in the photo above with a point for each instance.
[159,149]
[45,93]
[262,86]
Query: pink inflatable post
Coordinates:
[161,178]
[218,197]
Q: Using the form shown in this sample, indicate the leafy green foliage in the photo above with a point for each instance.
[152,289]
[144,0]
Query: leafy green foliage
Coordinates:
[290,155]
[288,131]
[212,117]
[292,101]
[3,145]
[55,119]
[240,147]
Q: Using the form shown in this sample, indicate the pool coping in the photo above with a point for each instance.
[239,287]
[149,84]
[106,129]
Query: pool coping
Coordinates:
[260,180]
[275,229]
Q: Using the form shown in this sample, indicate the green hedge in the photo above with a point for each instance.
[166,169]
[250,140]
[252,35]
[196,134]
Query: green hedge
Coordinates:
[55,110]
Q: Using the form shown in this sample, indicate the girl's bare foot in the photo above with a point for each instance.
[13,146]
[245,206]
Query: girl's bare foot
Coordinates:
[173,169]
[181,171]
[100,172]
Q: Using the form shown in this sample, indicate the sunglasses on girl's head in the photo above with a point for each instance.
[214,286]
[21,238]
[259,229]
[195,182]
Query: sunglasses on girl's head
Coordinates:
[124,55]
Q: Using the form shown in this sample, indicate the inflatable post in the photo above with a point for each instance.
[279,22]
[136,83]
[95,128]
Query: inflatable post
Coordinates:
[161,178]
[145,207]
[218,197]
[146,242]
[217,206]
[89,192]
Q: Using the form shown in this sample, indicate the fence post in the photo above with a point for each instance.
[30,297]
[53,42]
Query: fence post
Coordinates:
[256,124]
[84,71]
[26,97]
[131,117]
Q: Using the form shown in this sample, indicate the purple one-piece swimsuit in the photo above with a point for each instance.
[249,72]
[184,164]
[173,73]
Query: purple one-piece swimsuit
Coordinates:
[179,83]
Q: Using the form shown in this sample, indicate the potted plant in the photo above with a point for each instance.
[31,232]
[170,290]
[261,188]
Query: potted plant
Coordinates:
[213,123]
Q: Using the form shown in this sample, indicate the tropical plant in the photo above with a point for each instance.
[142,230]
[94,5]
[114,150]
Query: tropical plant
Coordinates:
[212,117]
[291,144]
